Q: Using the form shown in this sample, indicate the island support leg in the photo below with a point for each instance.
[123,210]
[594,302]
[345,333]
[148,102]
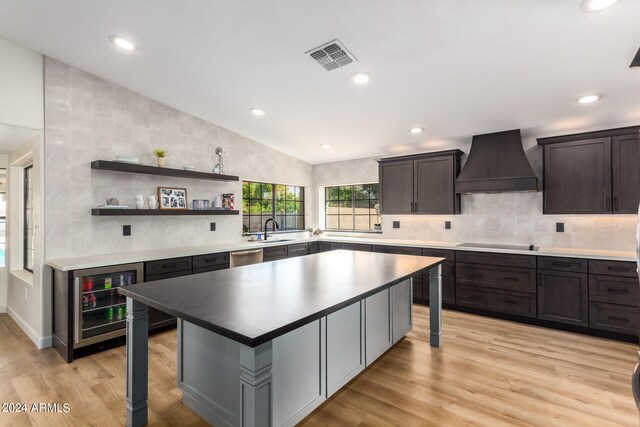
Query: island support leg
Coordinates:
[256,394]
[435,306]
[137,363]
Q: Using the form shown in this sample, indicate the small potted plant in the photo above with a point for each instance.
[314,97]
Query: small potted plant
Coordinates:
[310,230]
[161,156]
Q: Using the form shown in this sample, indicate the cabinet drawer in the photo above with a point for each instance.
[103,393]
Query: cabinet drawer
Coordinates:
[357,247]
[210,268]
[298,249]
[398,250]
[508,278]
[154,277]
[613,289]
[209,260]
[614,318]
[517,303]
[562,264]
[167,266]
[613,268]
[489,258]
[450,256]
[275,252]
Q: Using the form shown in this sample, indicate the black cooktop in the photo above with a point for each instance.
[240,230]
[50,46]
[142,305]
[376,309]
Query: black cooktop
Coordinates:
[499,246]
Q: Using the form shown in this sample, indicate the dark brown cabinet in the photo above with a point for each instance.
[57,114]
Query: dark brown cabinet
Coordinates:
[500,283]
[447,276]
[274,253]
[592,173]
[405,250]
[613,296]
[420,184]
[563,297]
[165,269]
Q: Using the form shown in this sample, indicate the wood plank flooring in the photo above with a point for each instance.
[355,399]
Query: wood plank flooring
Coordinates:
[489,372]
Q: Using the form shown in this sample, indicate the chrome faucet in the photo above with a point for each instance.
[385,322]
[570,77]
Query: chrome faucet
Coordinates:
[274,228]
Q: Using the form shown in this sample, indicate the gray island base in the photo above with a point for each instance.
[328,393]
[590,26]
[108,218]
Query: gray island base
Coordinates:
[266,344]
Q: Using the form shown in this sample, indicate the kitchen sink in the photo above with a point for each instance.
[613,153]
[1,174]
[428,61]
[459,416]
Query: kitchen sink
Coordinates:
[266,242]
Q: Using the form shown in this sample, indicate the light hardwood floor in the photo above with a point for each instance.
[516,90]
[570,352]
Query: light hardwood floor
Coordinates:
[488,372]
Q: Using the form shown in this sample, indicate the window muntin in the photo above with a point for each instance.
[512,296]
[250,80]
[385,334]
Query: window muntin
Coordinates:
[28,219]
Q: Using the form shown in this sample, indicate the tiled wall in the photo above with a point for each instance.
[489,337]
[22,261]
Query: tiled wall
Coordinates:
[510,218]
[88,118]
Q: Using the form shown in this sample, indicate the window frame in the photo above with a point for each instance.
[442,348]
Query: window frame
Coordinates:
[373,217]
[27,180]
[246,213]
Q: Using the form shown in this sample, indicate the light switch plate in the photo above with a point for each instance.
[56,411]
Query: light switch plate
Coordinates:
[396,224]
[126,230]
[559,227]
[447,225]
[213,226]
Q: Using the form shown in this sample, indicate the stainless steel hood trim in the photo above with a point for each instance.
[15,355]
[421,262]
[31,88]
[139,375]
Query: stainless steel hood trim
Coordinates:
[497,163]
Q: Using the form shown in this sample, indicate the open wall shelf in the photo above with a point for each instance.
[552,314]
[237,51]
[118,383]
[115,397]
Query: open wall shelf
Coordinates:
[154,170]
[160,212]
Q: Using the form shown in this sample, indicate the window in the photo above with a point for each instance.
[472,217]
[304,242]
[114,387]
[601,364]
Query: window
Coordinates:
[351,207]
[261,201]
[28,219]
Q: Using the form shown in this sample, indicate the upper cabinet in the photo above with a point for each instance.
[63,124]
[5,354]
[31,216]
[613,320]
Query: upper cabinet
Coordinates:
[420,184]
[592,173]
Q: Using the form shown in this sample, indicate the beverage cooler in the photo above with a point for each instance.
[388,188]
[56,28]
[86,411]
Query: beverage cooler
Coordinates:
[87,308]
[99,310]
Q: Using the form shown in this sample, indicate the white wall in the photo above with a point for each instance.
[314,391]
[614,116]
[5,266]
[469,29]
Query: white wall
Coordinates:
[28,294]
[88,118]
[21,86]
[511,218]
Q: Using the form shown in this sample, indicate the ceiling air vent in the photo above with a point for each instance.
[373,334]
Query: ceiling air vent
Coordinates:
[332,55]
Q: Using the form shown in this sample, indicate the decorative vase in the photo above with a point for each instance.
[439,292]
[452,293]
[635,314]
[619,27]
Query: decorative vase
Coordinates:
[161,161]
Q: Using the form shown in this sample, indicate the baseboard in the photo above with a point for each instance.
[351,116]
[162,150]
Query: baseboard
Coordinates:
[3,309]
[40,342]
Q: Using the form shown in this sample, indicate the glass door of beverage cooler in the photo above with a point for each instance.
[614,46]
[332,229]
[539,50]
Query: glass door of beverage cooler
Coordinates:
[100,311]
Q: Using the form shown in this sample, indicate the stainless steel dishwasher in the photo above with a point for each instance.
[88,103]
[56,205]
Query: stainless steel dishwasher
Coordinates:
[240,258]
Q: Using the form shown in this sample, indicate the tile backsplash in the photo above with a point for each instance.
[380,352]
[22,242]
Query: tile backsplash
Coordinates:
[88,118]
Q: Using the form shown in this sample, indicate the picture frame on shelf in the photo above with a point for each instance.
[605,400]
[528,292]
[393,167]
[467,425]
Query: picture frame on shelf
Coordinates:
[171,198]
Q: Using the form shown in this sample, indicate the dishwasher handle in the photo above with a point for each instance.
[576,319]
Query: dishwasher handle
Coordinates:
[246,253]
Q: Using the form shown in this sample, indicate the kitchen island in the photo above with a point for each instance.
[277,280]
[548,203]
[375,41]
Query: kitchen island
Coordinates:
[266,344]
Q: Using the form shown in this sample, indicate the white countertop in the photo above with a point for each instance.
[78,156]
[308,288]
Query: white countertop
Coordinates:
[77,263]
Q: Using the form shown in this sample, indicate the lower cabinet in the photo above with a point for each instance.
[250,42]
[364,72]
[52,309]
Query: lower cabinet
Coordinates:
[613,296]
[165,269]
[377,325]
[345,346]
[273,253]
[401,310]
[563,297]
[508,302]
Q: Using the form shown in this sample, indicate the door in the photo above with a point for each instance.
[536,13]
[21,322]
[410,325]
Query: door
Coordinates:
[577,177]
[563,297]
[396,187]
[433,187]
[625,153]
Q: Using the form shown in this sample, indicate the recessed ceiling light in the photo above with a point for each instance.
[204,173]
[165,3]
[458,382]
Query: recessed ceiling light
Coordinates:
[326,146]
[416,131]
[123,44]
[361,78]
[257,111]
[596,5]
[588,99]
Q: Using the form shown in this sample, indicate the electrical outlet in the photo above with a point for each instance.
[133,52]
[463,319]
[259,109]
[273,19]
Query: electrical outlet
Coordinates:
[396,224]
[559,227]
[447,225]
[213,226]
[126,230]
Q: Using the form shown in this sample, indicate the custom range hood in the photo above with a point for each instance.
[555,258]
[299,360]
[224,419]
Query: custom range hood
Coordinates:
[496,164]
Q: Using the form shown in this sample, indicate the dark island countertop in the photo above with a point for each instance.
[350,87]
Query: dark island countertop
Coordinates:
[257,303]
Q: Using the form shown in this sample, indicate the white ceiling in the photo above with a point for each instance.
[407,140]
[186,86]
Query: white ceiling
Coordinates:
[12,137]
[455,68]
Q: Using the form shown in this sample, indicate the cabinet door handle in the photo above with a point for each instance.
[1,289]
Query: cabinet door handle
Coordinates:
[616,203]
[511,279]
[618,268]
[618,290]
[509,301]
[475,276]
[621,319]
[170,265]
[474,297]
[561,264]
